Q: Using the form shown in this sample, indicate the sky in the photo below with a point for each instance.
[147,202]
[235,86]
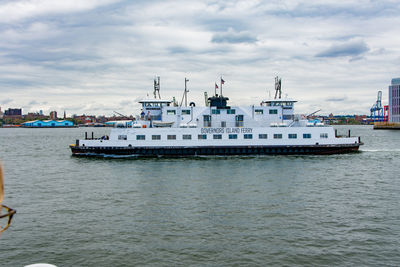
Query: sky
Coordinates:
[100,56]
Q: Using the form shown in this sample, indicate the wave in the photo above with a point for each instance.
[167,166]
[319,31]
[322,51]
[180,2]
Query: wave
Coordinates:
[380,150]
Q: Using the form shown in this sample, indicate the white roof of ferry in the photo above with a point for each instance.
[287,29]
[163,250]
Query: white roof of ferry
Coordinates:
[155,101]
[280,100]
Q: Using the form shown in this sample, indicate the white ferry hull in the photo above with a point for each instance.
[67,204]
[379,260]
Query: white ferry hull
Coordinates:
[211,150]
[180,151]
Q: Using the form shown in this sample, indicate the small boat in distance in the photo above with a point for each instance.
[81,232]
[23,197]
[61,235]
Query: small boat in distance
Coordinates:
[164,128]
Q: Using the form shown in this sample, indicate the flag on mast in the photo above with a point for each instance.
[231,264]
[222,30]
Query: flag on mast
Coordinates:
[222,81]
[216,86]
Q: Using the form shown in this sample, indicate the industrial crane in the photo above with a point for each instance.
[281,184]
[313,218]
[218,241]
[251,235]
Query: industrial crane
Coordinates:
[376,109]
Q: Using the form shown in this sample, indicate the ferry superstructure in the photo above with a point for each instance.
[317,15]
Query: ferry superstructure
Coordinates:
[165,129]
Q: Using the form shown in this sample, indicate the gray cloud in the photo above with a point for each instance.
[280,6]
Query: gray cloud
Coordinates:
[234,37]
[178,50]
[6,101]
[342,9]
[105,53]
[125,103]
[221,24]
[352,48]
[336,99]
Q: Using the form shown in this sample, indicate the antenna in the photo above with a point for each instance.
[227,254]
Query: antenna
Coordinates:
[185,93]
[278,87]
[206,99]
[157,87]
[222,82]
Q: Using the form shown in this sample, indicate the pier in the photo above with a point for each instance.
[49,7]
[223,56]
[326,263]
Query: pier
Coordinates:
[386,126]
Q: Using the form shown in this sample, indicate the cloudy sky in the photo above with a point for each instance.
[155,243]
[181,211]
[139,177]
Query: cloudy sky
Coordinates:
[97,56]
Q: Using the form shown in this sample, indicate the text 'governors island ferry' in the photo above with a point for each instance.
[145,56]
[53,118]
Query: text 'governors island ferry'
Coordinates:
[165,128]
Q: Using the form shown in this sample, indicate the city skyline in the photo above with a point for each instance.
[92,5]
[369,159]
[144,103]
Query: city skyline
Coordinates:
[100,56]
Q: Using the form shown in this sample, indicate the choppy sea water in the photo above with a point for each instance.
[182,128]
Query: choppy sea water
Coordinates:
[333,210]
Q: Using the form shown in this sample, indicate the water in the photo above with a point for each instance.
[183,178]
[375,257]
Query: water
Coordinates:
[270,210]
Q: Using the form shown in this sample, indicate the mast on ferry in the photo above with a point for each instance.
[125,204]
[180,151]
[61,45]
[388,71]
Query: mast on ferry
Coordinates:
[185,93]
[157,88]
[222,82]
[278,87]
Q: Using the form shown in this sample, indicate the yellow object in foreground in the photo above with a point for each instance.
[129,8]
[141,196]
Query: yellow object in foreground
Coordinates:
[1,184]
[5,212]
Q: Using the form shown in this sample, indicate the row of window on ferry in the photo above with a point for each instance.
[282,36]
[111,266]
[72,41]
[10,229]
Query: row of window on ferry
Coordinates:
[219,136]
[218,111]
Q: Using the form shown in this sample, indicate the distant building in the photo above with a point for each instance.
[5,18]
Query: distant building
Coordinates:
[394,100]
[34,116]
[12,116]
[53,115]
[101,119]
[360,118]
[83,119]
[13,112]
[47,124]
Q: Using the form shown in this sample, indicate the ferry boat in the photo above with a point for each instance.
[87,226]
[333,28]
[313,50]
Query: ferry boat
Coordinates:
[165,128]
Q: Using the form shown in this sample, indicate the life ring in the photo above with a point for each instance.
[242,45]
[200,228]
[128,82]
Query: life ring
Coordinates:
[192,104]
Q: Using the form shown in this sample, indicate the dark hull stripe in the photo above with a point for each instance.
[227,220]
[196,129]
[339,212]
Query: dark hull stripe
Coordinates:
[210,151]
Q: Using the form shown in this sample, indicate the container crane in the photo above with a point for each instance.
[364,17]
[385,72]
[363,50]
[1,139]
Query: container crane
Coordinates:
[376,109]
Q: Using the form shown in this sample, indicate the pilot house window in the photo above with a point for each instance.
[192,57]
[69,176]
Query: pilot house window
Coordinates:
[171,137]
[207,120]
[202,136]
[171,112]
[233,136]
[263,136]
[156,137]
[140,137]
[239,121]
[186,137]
[248,136]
